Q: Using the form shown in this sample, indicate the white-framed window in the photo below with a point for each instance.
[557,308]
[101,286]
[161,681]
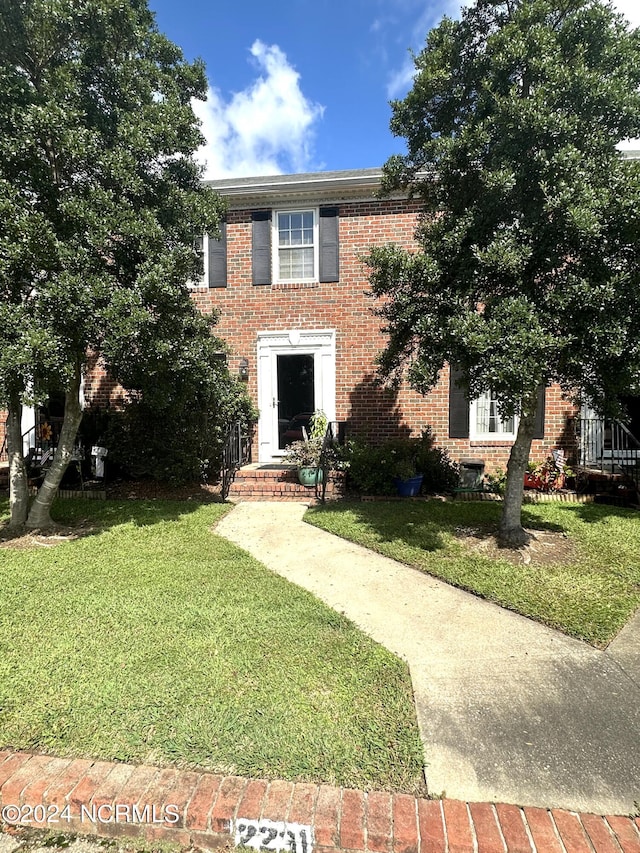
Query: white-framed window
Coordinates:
[200,244]
[485,421]
[295,243]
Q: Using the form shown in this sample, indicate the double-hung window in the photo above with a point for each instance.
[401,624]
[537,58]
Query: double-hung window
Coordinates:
[200,245]
[485,419]
[479,420]
[296,241]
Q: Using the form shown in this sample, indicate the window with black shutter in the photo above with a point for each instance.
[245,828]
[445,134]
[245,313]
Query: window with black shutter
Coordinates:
[480,418]
[217,258]
[295,245]
[261,247]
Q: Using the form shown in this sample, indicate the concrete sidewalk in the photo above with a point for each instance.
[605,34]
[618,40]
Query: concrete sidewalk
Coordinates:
[509,710]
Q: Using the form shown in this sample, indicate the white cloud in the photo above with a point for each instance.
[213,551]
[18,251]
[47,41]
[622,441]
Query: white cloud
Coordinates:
[266,129]
[401,80]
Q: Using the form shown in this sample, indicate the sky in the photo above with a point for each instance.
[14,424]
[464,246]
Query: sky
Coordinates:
[304,85]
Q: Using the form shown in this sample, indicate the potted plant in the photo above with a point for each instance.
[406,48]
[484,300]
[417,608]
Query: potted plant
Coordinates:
[305,454]
[553,472]
[532,476]
[407,479]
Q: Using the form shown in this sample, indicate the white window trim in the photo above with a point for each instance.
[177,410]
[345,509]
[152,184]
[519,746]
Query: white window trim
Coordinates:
[203,283]
[275,245]
[475,435]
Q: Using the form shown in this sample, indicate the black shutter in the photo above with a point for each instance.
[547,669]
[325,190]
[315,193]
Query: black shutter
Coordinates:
[539,428]
[218,258]
[329,253]
[458,407]
[261,247]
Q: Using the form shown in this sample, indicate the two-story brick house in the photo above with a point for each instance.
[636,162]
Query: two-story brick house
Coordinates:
[290,285]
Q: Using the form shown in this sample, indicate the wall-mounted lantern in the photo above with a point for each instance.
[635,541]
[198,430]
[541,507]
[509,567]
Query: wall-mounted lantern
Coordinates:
[243,370]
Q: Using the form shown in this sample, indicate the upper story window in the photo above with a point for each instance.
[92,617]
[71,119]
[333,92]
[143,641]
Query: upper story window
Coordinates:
[200,245]
[295,245]
[213,259]
[485,419]
[296,240]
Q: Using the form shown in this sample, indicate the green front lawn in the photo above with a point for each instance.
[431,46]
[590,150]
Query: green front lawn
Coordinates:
[590,593]
[151,639]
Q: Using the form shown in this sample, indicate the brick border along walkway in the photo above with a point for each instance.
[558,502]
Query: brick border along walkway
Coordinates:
[204,807]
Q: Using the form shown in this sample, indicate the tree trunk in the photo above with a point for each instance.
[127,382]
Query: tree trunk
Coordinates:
[18,483]
[511,532]
[40,514]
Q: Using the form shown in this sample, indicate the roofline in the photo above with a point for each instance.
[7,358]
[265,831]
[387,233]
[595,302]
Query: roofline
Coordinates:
[350,178]
[348,184]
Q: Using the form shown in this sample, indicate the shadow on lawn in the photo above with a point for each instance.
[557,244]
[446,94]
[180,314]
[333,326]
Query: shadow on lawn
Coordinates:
[592,513]
[78,518]
[429,525]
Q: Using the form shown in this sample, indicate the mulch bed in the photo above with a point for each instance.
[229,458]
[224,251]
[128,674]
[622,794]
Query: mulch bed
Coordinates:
[545,547]
[153,490]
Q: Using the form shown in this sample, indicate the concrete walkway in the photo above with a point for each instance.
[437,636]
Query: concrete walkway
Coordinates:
[509,711]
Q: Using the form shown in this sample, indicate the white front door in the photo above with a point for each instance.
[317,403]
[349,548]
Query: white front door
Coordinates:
[296,377]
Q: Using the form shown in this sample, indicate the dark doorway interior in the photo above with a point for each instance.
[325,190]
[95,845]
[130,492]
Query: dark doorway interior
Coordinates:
[632,406]
[296,396]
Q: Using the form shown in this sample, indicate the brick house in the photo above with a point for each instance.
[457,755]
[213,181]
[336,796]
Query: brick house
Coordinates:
[290,287]
[289,283]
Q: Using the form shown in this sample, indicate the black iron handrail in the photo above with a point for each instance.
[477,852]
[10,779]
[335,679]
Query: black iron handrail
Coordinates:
[4,450]
[235,453]
[606,446]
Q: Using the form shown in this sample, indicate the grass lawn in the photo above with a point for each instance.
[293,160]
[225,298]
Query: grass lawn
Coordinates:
[590,595]
[151,639]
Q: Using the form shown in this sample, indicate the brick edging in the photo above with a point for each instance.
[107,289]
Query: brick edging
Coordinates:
[200,809]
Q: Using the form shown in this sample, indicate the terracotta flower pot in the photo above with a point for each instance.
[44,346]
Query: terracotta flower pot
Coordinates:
[532,481]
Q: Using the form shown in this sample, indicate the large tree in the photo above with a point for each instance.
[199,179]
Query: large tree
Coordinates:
[527,269]
[100,199]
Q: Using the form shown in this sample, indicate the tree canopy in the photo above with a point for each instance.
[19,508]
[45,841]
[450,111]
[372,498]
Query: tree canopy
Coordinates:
[100,199]
[527,268]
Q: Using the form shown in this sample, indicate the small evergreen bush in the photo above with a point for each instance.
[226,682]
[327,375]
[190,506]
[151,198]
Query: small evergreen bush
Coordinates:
[373,468]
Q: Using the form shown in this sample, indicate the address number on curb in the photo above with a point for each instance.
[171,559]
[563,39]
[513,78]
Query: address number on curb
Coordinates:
[273,836]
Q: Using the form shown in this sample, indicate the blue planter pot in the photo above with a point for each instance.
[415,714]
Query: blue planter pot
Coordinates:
[409,488]
[307,476]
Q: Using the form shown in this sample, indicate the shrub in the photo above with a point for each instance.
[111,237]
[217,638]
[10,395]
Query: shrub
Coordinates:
[373,468]
[369,468]
[497,482]
[441,473]
[178,439]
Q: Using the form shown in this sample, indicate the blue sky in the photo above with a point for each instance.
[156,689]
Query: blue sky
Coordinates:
[303,86]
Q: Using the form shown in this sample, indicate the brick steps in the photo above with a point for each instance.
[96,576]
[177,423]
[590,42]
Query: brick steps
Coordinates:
[209,811]
[276,483]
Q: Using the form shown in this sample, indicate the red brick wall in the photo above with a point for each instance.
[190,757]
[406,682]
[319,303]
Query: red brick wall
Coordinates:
[100,390]
[245,310]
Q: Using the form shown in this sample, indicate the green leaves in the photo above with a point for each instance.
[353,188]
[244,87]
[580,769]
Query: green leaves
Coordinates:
[99,192]
[528,264]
